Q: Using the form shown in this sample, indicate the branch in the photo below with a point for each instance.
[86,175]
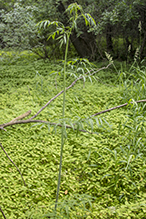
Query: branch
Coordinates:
[2,213]
[40,121]
[30,120]
[15,122]
[73,83]
[116,107]
[13,163]
[12,122]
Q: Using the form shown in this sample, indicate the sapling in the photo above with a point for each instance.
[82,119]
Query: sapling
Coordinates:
[62,34]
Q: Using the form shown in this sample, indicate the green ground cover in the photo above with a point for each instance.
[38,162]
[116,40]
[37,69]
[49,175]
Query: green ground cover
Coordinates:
[103,174]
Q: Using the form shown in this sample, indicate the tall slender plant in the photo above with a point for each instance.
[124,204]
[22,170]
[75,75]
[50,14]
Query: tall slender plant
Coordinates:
[62,34]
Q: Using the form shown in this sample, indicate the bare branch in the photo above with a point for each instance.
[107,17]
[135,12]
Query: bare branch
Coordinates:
[13,163]
[2,213]
[116,107]
[73,83]
[15,119]
[41,121]
[15,122]
[30,120]
[46,105]
[22,116]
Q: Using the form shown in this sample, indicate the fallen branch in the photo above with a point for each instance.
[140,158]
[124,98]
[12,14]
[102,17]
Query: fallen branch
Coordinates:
[12,122]
[15,121]
[116,107]
[40,121]
[73,83]
[30,120]
[2,213]
[13,163]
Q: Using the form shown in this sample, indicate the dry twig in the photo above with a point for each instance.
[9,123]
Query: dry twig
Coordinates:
[2,213]
[15,122]
[116,107]
[12,163]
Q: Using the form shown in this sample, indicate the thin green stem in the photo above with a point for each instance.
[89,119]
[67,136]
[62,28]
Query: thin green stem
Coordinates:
[63,125]
[64,76]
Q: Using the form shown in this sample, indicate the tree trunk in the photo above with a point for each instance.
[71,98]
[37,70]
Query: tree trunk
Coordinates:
[85,44]
[109,42]
[142,46]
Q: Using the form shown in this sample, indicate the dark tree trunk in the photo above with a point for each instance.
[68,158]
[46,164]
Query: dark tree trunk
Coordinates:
[141,8]
[143,46]
[85,44]
[109,42]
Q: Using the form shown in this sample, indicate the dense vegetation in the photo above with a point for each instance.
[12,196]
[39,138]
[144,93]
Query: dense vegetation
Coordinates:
[103,173]
[120,28]
[72,131]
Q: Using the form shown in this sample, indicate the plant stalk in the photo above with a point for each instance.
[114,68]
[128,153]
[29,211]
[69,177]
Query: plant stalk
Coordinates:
[63,124]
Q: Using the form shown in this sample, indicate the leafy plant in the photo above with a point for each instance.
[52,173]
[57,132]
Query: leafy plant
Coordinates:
[76,12]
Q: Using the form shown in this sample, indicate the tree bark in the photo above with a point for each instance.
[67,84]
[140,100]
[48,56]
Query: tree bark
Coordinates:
[109,42]
[85,44]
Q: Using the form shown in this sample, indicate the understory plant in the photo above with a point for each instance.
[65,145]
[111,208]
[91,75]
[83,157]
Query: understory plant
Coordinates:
[124,170]
[63,34]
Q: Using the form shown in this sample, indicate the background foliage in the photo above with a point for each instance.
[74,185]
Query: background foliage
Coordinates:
[120,28]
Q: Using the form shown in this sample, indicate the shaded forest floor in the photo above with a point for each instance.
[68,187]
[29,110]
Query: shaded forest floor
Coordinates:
[103,173]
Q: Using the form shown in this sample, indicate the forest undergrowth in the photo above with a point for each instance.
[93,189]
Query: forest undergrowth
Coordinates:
[103,170]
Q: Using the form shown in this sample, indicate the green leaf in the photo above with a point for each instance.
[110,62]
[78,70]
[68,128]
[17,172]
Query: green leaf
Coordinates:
[91,124]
